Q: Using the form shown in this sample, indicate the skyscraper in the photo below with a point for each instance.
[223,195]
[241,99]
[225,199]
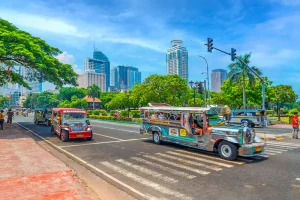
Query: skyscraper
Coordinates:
[124,77]
[98,64]
[177,59]
[89,78]
[217,78]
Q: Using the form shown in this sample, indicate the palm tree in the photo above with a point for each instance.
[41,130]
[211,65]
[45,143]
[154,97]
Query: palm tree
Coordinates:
[240,74]
[93,92]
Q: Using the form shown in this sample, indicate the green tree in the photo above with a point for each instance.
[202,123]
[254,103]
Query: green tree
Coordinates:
[106,97]
[78,103]
[240,74]
[94,92]
[283,94]
[121,101]
[19,48]
[66,93]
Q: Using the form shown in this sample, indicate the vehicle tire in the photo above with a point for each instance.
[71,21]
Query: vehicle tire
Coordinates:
[227,150]
[252,125]
[52,129]
[35,122]
[90,138]
[64,135]
[156,138]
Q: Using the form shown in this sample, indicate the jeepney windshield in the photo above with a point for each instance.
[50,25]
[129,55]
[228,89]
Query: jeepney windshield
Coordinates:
[74,116]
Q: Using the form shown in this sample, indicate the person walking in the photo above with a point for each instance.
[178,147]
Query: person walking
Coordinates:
[295,124]
[1,119]
[10,115]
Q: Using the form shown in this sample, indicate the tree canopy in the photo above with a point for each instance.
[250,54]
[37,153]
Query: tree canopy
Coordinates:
[66,93]
[19,48]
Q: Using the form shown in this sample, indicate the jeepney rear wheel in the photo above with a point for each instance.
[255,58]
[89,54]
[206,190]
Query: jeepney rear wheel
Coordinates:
[227,150]
[64,136]
[156,138]
[90,138]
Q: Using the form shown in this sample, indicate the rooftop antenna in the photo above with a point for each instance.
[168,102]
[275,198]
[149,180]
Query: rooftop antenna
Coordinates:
[94,46]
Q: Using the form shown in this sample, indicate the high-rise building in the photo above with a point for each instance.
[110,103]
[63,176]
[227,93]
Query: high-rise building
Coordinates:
[177,59]
[98,64]
[89,78]
[125,77]
[217,78]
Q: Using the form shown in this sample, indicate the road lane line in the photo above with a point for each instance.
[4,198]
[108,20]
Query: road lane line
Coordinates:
[284,146]
[147,171]
[108,142]
[201,159]
[145,182]
[268,150]
[86,163]
[274,149]
[281,147]
[284,143]
[177,165]
[211,157]
[118,129]
[212,167]
[164,168]
[150,197]
[108,136]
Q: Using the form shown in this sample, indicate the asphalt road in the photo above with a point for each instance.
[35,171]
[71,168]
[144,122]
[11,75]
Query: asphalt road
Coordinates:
[173,172]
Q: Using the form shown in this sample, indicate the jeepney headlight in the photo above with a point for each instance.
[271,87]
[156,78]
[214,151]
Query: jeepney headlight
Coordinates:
[247,135]
[89,129]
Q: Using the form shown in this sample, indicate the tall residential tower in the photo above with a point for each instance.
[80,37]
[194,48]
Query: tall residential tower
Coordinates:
[217,78]
[177,59]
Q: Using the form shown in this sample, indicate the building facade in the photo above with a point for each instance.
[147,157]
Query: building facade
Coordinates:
[217,78]
[98,64]
[89,78]
[177,59]
[125,77]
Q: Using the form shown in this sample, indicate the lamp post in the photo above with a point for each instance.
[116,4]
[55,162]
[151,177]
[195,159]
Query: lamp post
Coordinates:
[207,77]
[278,108]
[194,87]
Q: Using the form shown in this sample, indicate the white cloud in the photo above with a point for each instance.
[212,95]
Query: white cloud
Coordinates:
[66,58]
[54,25]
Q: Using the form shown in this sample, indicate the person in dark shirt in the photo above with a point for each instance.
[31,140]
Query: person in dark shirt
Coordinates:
[10,115]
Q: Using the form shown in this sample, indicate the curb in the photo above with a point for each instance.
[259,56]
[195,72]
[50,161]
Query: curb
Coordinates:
[105,176]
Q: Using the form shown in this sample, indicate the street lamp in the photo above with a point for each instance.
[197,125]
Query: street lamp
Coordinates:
[278,108]
[207,77]
[194,87]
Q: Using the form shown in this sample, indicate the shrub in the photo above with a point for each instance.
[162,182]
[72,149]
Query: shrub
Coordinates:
[270,112]
[103,112]
[96,112]
[291,112]
[124,113]
[90,112]
[135,113]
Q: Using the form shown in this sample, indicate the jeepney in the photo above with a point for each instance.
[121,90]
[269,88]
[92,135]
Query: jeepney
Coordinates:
[252,117]
[42,115]
[189,126]
[70,123]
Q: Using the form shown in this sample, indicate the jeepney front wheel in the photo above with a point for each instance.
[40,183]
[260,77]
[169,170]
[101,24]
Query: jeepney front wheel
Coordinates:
[90,138]
[227,150]
[64,136]
[156,138]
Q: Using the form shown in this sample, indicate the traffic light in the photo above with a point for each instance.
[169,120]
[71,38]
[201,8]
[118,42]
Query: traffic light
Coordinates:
[209,45]
[200,88]
[233,54]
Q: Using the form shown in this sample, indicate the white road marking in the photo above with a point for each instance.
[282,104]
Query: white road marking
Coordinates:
[215,168]
[147,171]
[297,179]
[274,149]
[146,182]
[284,143]
[201,159]
[108,136]
[177,165]
[280,145]
[118,129]
[164,168]
[211,157]
[150,197]
[86,163]
[108,142]
[267,153]
[268,150]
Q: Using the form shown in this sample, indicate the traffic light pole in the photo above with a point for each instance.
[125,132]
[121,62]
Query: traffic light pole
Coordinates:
[204,83]
[261,78]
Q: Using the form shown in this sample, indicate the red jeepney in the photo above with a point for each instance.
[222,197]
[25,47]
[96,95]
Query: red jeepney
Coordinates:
[70,123]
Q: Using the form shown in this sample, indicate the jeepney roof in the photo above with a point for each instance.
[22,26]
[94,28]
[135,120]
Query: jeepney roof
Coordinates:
[173,108]
[248,110]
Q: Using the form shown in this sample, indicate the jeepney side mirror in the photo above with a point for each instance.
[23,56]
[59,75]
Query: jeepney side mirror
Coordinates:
[88,122]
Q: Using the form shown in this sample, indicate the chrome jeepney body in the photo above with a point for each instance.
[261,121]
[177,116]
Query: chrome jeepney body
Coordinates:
[177,126]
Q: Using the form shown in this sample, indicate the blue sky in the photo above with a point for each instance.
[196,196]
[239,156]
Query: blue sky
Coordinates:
[138,32]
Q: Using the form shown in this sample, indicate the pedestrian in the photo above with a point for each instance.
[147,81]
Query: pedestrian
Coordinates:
[10,115]
[295,124]
[1,119]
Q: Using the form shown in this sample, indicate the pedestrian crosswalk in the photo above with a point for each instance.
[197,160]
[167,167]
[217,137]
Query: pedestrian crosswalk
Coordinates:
[161,174]
[273,147]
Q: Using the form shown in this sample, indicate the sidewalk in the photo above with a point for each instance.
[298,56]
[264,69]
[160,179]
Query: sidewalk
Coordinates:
[30,172]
